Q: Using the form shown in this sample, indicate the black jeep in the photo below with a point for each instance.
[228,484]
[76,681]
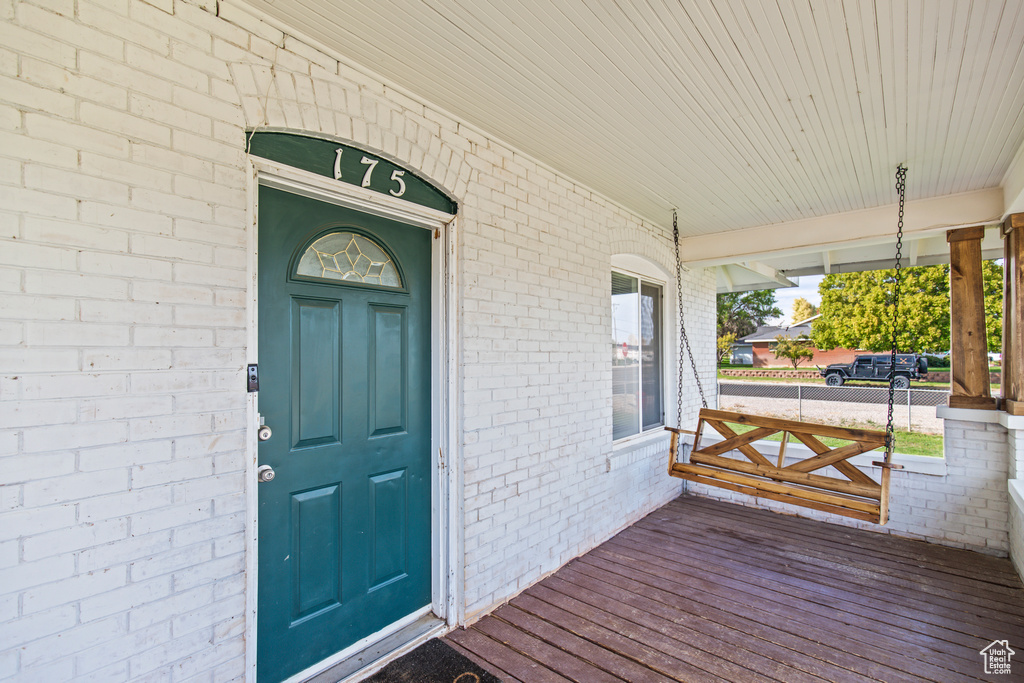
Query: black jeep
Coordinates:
[876,369]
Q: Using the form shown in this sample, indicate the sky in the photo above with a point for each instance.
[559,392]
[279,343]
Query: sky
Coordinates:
[807,289]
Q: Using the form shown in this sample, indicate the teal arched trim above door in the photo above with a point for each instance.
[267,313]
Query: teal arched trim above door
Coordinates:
[349,165]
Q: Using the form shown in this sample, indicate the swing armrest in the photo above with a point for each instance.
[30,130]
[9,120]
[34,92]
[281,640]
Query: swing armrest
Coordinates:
[680,431]
[887,465]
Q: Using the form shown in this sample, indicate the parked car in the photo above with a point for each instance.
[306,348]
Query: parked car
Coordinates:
[876,368]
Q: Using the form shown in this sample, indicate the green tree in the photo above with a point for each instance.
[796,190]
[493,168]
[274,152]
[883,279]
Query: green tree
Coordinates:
[803,309]
[725,343]
[794,349]
[992,272]
[856,309]
[741,312]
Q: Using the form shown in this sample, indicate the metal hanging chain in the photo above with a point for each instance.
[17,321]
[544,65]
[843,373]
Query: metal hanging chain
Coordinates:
[684,341]
[901,188]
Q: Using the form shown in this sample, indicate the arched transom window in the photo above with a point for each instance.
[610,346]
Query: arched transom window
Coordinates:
[351,257]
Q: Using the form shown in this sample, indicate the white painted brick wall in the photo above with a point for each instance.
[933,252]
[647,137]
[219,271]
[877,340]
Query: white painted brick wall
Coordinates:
[966,508]
[122,332]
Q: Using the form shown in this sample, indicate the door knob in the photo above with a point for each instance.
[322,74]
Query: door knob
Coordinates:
[265,473]
[264,433]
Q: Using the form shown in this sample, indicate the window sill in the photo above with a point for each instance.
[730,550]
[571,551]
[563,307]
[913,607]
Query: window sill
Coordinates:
[641,440]
[639,447]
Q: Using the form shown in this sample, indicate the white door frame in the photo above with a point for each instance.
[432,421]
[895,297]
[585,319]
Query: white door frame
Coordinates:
[447,565]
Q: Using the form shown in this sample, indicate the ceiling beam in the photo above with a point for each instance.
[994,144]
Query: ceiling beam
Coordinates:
[869,226]
[767,272]
[913,251]
[1013,185]
[724,270]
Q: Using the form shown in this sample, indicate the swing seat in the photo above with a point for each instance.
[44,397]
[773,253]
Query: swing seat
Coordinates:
[855,494]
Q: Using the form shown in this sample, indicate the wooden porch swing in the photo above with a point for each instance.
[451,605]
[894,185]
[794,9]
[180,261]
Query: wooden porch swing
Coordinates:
[854,494]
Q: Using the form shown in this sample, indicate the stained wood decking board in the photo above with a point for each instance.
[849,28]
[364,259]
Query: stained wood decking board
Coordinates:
[983,568]
[950,592]
[859,582]
[486,666]
[609,605]
[846,636]
[814,598]
[844,629]
[978,578]
[501,656]
[702,590]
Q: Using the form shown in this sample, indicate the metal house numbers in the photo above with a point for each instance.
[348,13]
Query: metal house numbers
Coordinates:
[371,164]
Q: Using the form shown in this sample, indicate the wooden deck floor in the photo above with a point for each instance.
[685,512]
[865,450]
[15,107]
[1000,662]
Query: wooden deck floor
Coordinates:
[707,591]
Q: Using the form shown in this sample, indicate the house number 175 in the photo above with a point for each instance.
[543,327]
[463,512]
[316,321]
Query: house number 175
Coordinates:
[396,175]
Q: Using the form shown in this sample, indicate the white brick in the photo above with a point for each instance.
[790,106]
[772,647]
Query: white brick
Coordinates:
[117,23]
[123,217]
[35,626]
[29,574]
[69,31]
[74,284]
[134,128]
[52,76]
[96,659]
[125,266]
[134,596]
[71,590]
[24,468]
[23,147]
[23,41]
[56,671]
[75,334]
[37,360]
[33,98]
[70,488]
[135,174]
[166,247]
[163,473]
[134,547]
[162,611]
[126,359]
[35,202]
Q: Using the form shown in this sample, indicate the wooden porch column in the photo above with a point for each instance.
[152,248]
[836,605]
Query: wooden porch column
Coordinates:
[1013,315]
[969,372]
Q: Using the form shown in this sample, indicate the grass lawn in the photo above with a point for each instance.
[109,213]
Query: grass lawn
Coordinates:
[910,443]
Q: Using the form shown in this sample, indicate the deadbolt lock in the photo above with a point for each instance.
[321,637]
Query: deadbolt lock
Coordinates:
[264,433]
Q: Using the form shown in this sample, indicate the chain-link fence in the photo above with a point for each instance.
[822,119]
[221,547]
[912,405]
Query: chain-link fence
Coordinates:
[913,408]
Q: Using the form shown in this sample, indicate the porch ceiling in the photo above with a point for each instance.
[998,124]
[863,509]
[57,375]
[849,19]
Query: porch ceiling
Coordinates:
[741,114]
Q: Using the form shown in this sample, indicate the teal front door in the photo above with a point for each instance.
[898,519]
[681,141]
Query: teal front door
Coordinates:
[344,363]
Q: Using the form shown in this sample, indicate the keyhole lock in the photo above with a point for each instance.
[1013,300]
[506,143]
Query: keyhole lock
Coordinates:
[264,433]
[265,473]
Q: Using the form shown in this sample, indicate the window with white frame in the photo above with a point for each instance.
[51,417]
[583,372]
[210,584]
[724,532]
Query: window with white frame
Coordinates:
[636,354]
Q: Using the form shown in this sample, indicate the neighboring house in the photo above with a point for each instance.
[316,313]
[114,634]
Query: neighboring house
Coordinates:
[761,346]
[305,307]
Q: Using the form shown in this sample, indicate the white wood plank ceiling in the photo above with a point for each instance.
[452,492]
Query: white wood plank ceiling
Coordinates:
[741,113]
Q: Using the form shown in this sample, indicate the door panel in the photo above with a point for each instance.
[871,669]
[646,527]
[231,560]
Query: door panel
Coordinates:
[316,530]
[317,380]
[387,371]
[388,493]
[344,527]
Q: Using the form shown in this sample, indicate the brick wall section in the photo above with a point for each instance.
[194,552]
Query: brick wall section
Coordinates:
[966,508]
[122,332]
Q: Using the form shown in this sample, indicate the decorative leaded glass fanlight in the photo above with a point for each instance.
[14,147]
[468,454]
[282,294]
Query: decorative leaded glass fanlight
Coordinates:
[351,257]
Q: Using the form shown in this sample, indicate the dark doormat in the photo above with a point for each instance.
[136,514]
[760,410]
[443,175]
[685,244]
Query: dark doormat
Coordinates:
[432,662]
